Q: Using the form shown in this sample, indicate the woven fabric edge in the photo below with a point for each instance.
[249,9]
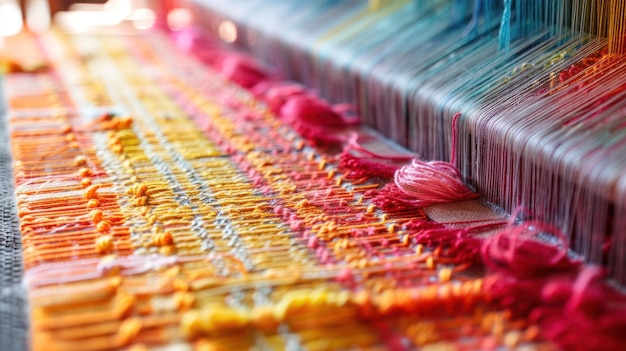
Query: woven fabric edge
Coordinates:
[13,321]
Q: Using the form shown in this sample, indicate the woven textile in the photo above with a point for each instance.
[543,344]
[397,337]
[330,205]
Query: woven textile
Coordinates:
[161,204]
[13,325]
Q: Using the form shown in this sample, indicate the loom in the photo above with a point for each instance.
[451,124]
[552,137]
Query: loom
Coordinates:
[165,202]
[410,66]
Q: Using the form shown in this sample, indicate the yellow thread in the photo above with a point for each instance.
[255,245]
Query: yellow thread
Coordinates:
[162,239]
[339,181]
[322,164]
[104,243]
[85,182]
[419,249]
[85,172]
[96,216]
[445,274]
[167,250]
[103,226]
[80,160]
[405,240]
[91,191]
[183,301]
[430,262]
[129,329]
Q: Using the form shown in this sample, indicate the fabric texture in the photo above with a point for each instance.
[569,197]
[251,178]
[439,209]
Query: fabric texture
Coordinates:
[13,323]
[161,203]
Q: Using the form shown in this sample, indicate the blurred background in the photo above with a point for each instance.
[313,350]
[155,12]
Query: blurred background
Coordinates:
[38,15]
[64,5]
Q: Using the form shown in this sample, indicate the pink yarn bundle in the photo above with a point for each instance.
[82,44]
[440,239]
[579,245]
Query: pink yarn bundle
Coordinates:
[316,119]
[422,184]
[429,183]
[238,67]
[242,70]
[586,314]
[276,93]
[302,109]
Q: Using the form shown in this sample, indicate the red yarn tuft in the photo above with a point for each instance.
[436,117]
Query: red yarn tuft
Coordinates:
[582,305]
[523,264]
[517,251]
[537,278]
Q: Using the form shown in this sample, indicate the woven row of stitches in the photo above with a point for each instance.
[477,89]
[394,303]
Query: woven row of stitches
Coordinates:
[225,228]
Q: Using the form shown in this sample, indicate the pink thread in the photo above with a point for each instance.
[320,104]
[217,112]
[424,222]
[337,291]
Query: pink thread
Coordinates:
[522,265]
[422,184]
[191,39]
[454,136]
[345,275]
[313,118]
[354,145]
[430,183]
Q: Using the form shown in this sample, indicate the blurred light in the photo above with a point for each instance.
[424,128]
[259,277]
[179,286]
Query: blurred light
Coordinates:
[227,31]
[38,15]
[83,16]
[178,19]
[120,7]
[142,18]
[80,20]
[10,18]
[79,6]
